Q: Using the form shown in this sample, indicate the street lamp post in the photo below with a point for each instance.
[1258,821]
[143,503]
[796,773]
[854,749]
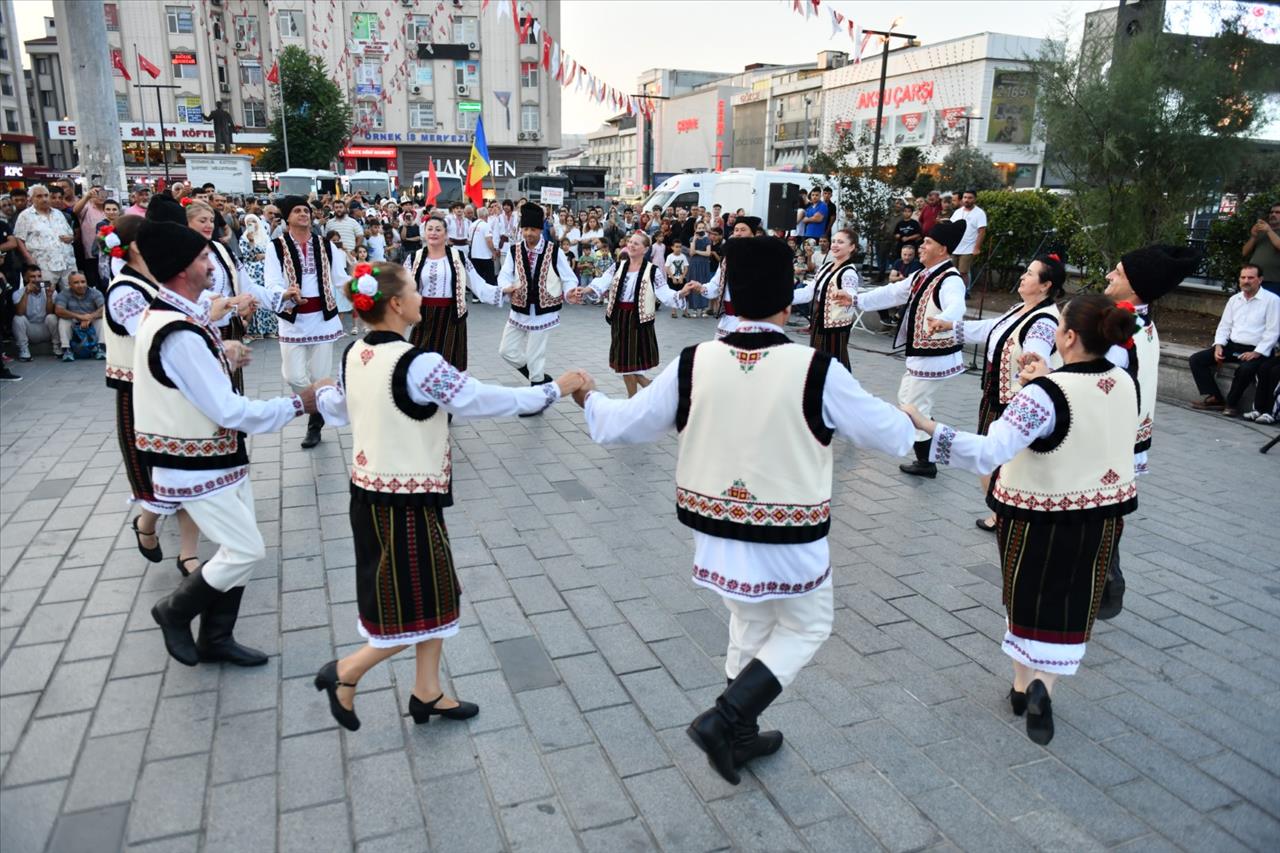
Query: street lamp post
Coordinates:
[912,41]
[648,141]
[164,153]
[804,158]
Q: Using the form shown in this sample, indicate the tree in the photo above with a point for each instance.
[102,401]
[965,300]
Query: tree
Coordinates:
[864,201]
[923,185]
[908,167]
[318,115]
[1146,127]
[966,168]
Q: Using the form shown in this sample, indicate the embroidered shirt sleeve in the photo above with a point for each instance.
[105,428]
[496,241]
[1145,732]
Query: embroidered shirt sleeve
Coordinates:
[442,382]
[1026,415]
[1040,337]
[127,307]
[944,438]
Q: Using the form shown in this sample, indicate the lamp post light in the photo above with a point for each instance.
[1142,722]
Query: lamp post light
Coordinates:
[911,41]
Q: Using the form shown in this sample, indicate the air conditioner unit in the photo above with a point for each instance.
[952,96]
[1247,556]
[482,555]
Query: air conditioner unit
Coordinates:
[415,89]
[462,89]
[534,135]
[521,136]
[471,45]
[240,46]
[408,4]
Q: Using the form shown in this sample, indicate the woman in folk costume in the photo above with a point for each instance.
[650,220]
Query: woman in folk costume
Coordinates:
[443,274]
[396,398]
[1064,449]
[128,297]
[1027,328]
[718,287]
[831,292]
[632,290]
[226,282]
[756,414]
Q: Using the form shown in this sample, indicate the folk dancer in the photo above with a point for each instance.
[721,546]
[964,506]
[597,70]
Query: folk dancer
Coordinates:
[129,295]
[1139,279]
[756,414]
[443,274]
[632,290]
[226,283]
[401,480]
[937,291]
[743,226]
[302,274]
[1028,328]
[459,229]
[534,272]
[832,317]
[191,428]
[1064,449]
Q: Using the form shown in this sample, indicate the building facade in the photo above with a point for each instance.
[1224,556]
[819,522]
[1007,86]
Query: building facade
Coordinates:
[17,142]
[47,98]
[418,76]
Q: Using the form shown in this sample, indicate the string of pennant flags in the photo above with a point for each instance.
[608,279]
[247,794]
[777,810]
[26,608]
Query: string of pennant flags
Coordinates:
[809,9]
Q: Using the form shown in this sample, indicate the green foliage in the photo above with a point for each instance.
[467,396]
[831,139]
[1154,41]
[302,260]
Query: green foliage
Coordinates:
[865,202]
[1145,128]
[923,185]
[318,115]
[966,168]
[1028,215]
[908,166]
[1228,234]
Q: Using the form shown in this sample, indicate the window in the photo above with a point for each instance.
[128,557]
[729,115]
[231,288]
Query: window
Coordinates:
[4,47]
[250,73]
[184,66]
[421,29]
[179,19]
[530,118]
[290,22]
[529,75]
[11,120]
[525,12]
[424,74]
[42,67]
[46,99]
[466,31]
[255,114]
[367,112]
[364,25]
[117,62]
[466,73]
[6,84]
[223,79]
[246,29]
[111,12]
[122,106]
[369,78]
[219,32]
[422,115]
[467,121]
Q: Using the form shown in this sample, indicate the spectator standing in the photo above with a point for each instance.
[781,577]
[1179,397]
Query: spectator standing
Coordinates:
[813,221]
[884,247]
[700,268]
[33,317]
[821,253]
[110,213]
[1246,335]
[830,221]
[1262,249]
[253,254]
[975,231]
[483,248]
[82,307]
[410,230]
[374,241]
[139,199]
[906,232]
[590,233]
[89,210]
[349,230]
[47,237]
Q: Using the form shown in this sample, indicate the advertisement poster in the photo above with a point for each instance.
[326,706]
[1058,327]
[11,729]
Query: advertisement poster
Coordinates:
[948,129]
[1013,107]
[910,129]
[364,25]
[190,110]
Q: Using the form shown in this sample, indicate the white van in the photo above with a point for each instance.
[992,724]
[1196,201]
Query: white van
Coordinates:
[450,188]
[304,182]
[684,190]
[773,196]
[373,184]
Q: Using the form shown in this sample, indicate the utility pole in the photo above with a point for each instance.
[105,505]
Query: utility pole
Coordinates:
[97,125]
[966,118]
[164,145]
[804,159]
[647,143]
[912,41]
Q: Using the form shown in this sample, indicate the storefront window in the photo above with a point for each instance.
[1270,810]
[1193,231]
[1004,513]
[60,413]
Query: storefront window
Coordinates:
[11,121]
[529,75]
[422,115]
[179,19]
[10,152]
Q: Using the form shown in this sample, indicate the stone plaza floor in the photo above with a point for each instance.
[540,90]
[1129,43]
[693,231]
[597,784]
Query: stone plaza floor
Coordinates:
[589,651]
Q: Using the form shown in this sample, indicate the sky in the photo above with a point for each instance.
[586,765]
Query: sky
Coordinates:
[618,39]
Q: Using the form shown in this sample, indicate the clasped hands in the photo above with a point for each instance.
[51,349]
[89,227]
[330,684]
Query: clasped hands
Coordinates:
[221,306]
[578,383]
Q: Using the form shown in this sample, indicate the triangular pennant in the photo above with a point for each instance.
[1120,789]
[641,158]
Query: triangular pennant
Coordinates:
[835,22]
[555,59]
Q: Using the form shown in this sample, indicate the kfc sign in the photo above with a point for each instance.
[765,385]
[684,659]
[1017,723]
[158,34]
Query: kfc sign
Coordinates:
[896,96]
[686,125]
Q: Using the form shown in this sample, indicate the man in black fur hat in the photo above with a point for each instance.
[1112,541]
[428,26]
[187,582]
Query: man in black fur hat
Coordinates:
[933,293]
[535,276]
[756,414]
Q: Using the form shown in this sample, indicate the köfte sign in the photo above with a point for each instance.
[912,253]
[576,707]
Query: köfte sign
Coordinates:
[178,132]
[896,96]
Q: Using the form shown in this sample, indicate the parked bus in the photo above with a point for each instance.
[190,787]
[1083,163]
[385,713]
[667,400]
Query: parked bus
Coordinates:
[374,185]
[304,182]
[450,188]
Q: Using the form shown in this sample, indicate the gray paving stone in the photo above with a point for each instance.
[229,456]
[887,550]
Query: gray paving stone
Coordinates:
[453,821]
[1246,778]
[502,619]
[967,824]
[525,664]
[799,793]
[28,814]
[561,635]
[95,637]
[244,746]
[623,649]
[183,725]
[140,653]
[893,820]
[841,835]
[126,705]
[659,698]
[47,750]
[675,816]
[1052,831]
[378,802]
[553,718]
[989,783]
[252,689]
[687,664]
[242,815]
[754,823]
[311,770]
[588,787]
[1080,801]
[320,829]
[592,607]
[490,692]
[14,713]
[512,767]
[73,687]
[106,772]
[83,832]
[626,837]
[536,826]
[170,798]
[50,623]
[305,709]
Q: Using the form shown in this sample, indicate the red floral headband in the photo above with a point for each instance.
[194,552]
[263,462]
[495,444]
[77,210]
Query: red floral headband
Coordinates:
[364,287]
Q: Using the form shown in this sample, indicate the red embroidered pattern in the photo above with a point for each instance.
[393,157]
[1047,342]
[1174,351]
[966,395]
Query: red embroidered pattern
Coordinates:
[224,442]
[1144,430]
[520,296]
[366,354]
[314,339]
[748,359]
[443,382]
[752,512]
[1110,478]
[119,373]
[1027,657]
[361,459]
[922,338]
[420,484]
[230,478]
[760,588]
[1106,383]
[1025,415]
[1062,503]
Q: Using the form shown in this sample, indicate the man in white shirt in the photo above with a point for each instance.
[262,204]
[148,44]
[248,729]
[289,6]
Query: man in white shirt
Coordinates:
[1246,336]
[975,230]
[482,248]
[458,227]
[350,231]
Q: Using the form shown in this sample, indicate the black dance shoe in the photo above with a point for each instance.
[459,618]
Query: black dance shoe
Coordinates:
[1039,713]
[215,642]
[175,613]
[422,712]
[327,680]
[728,732]
[1018,702]
[155,555]
[314,424]
[919,469]
[182,565]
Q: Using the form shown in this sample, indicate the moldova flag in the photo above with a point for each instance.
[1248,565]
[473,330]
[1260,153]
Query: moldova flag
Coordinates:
[477,166]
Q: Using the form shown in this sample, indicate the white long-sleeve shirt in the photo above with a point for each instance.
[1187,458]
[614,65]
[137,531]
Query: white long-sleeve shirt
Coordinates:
[951,298]
[311,328]
[661,290]
[1029,415]
[431,379]
[126,306]
[848,281]
[1040,337]
[435,281]
[1255,322]
[1119,356]
[712,290]
[855,415]
[198,374]
[533,321]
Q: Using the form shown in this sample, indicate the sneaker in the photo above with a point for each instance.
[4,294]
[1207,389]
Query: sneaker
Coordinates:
[68,355]
[8,375]
[1251,415]
[1264,418]
[100,355]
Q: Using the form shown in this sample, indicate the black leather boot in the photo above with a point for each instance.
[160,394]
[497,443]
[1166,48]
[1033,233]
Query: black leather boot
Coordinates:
[1112,602]
[215,643]
[524,371]
[922,467]
[175,613]
[757,743]
[1039,713]
[545,379]
[314,424]
[729,729]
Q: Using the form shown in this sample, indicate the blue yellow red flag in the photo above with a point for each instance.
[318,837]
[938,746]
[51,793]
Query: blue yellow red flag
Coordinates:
[477,165]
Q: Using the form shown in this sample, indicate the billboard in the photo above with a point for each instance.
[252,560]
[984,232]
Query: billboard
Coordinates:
[948,129]
[1013,107]
[910,129]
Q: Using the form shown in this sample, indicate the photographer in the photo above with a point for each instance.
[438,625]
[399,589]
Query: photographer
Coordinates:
[33,317]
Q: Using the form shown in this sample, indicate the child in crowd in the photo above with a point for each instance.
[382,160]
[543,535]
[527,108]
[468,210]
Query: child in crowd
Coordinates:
[677,267]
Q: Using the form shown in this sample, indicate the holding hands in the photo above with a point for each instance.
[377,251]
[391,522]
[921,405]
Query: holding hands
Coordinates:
[936,324]
[920,421]
[574,382]
[843,298]
[1033,367]
[238,354]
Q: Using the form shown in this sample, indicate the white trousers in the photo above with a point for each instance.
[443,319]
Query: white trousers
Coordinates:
[918,393]
[303,364]
[228,518]
[525,348]
[783,633]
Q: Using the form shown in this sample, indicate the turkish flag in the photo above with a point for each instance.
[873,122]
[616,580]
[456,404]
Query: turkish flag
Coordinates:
[148,66]
[433,183]
[117,61]
[273,76]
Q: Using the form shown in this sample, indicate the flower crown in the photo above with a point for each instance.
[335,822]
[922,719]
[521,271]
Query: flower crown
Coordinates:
[1137,318]
[109,242]
[364,287]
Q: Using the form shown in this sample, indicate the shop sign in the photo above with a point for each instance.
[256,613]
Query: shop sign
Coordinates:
[411,136]
[183,58]
[173,132]
[13,171]
[896,96]
[369,152]
[686,125]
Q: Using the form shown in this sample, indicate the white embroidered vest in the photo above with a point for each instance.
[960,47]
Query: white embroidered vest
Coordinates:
[1146,349]
[646,300]
[120,344]
[400,450]
[459,267]
[171,432]
[1086,465]
[826,286]
[755,457]
[1010,353]
[546,280]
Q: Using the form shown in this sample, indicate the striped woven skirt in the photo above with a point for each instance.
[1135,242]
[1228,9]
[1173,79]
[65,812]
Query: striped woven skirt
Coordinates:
[633,346]
[138,472]
[1053,575]
[406,588]
[441,330]
[989,411]
[235,331]
[834,342]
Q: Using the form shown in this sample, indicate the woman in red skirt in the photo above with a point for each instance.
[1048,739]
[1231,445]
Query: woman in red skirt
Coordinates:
[443,275]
